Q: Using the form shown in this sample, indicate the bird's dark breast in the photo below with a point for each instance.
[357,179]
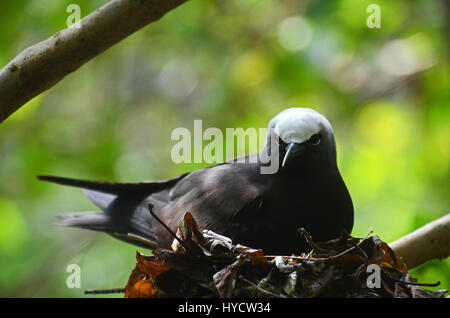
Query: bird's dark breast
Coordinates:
[320,203]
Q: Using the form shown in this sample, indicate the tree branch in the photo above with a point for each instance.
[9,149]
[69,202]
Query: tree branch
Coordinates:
[42,65]
[426,243]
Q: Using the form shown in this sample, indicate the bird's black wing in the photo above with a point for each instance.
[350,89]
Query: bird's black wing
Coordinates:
[218,197]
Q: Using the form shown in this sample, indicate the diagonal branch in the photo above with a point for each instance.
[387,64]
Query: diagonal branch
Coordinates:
[42,65]
[426,243]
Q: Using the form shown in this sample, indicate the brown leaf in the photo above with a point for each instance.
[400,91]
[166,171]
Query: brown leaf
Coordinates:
[151,266]
[141,289]
[225,279]
[389,258]
[257,257]
[139,286]
[349,262]
[140,283]
[190,235]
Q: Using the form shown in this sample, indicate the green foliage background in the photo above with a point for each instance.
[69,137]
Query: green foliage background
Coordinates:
[232,64]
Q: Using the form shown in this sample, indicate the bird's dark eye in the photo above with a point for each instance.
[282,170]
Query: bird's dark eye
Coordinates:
[315,139]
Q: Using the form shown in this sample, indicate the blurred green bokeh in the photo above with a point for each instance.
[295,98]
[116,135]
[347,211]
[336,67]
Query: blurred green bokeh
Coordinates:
[231,64]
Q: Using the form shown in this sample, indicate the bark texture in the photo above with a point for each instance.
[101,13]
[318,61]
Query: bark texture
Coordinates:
[426,243]
[42,65]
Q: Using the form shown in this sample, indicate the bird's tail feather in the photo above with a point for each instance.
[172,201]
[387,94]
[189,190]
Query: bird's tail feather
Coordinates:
[102,222]
[125,216]
[94,221]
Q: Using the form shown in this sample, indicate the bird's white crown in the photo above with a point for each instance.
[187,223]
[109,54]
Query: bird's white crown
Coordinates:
[299,124]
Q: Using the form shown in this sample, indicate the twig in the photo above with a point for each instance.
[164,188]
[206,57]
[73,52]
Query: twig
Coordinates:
[105,291]
[416,284]
[365,238]
[313,245]
[264,291]
[150,209]
[309,239]
[149,243]
[357,246]
[292,257]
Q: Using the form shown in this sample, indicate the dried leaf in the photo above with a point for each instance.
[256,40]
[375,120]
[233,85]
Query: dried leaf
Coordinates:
[225,279]
[151,266]
[390,259]
[141,281]
[139,286]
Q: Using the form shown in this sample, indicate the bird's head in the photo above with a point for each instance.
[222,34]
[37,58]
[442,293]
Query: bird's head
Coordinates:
[302,135]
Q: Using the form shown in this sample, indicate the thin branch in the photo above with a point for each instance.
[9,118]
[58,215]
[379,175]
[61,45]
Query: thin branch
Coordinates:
[149,243]
[42,65]
[416,284]
[105,291]
[150,209]
[310,241]
[261,290]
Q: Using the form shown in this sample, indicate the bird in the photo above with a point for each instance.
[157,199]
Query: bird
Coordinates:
[234,198]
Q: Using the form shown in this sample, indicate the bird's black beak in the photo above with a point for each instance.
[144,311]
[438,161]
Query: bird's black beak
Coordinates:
[292,150]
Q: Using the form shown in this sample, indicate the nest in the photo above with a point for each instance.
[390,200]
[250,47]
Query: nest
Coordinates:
[206,264]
